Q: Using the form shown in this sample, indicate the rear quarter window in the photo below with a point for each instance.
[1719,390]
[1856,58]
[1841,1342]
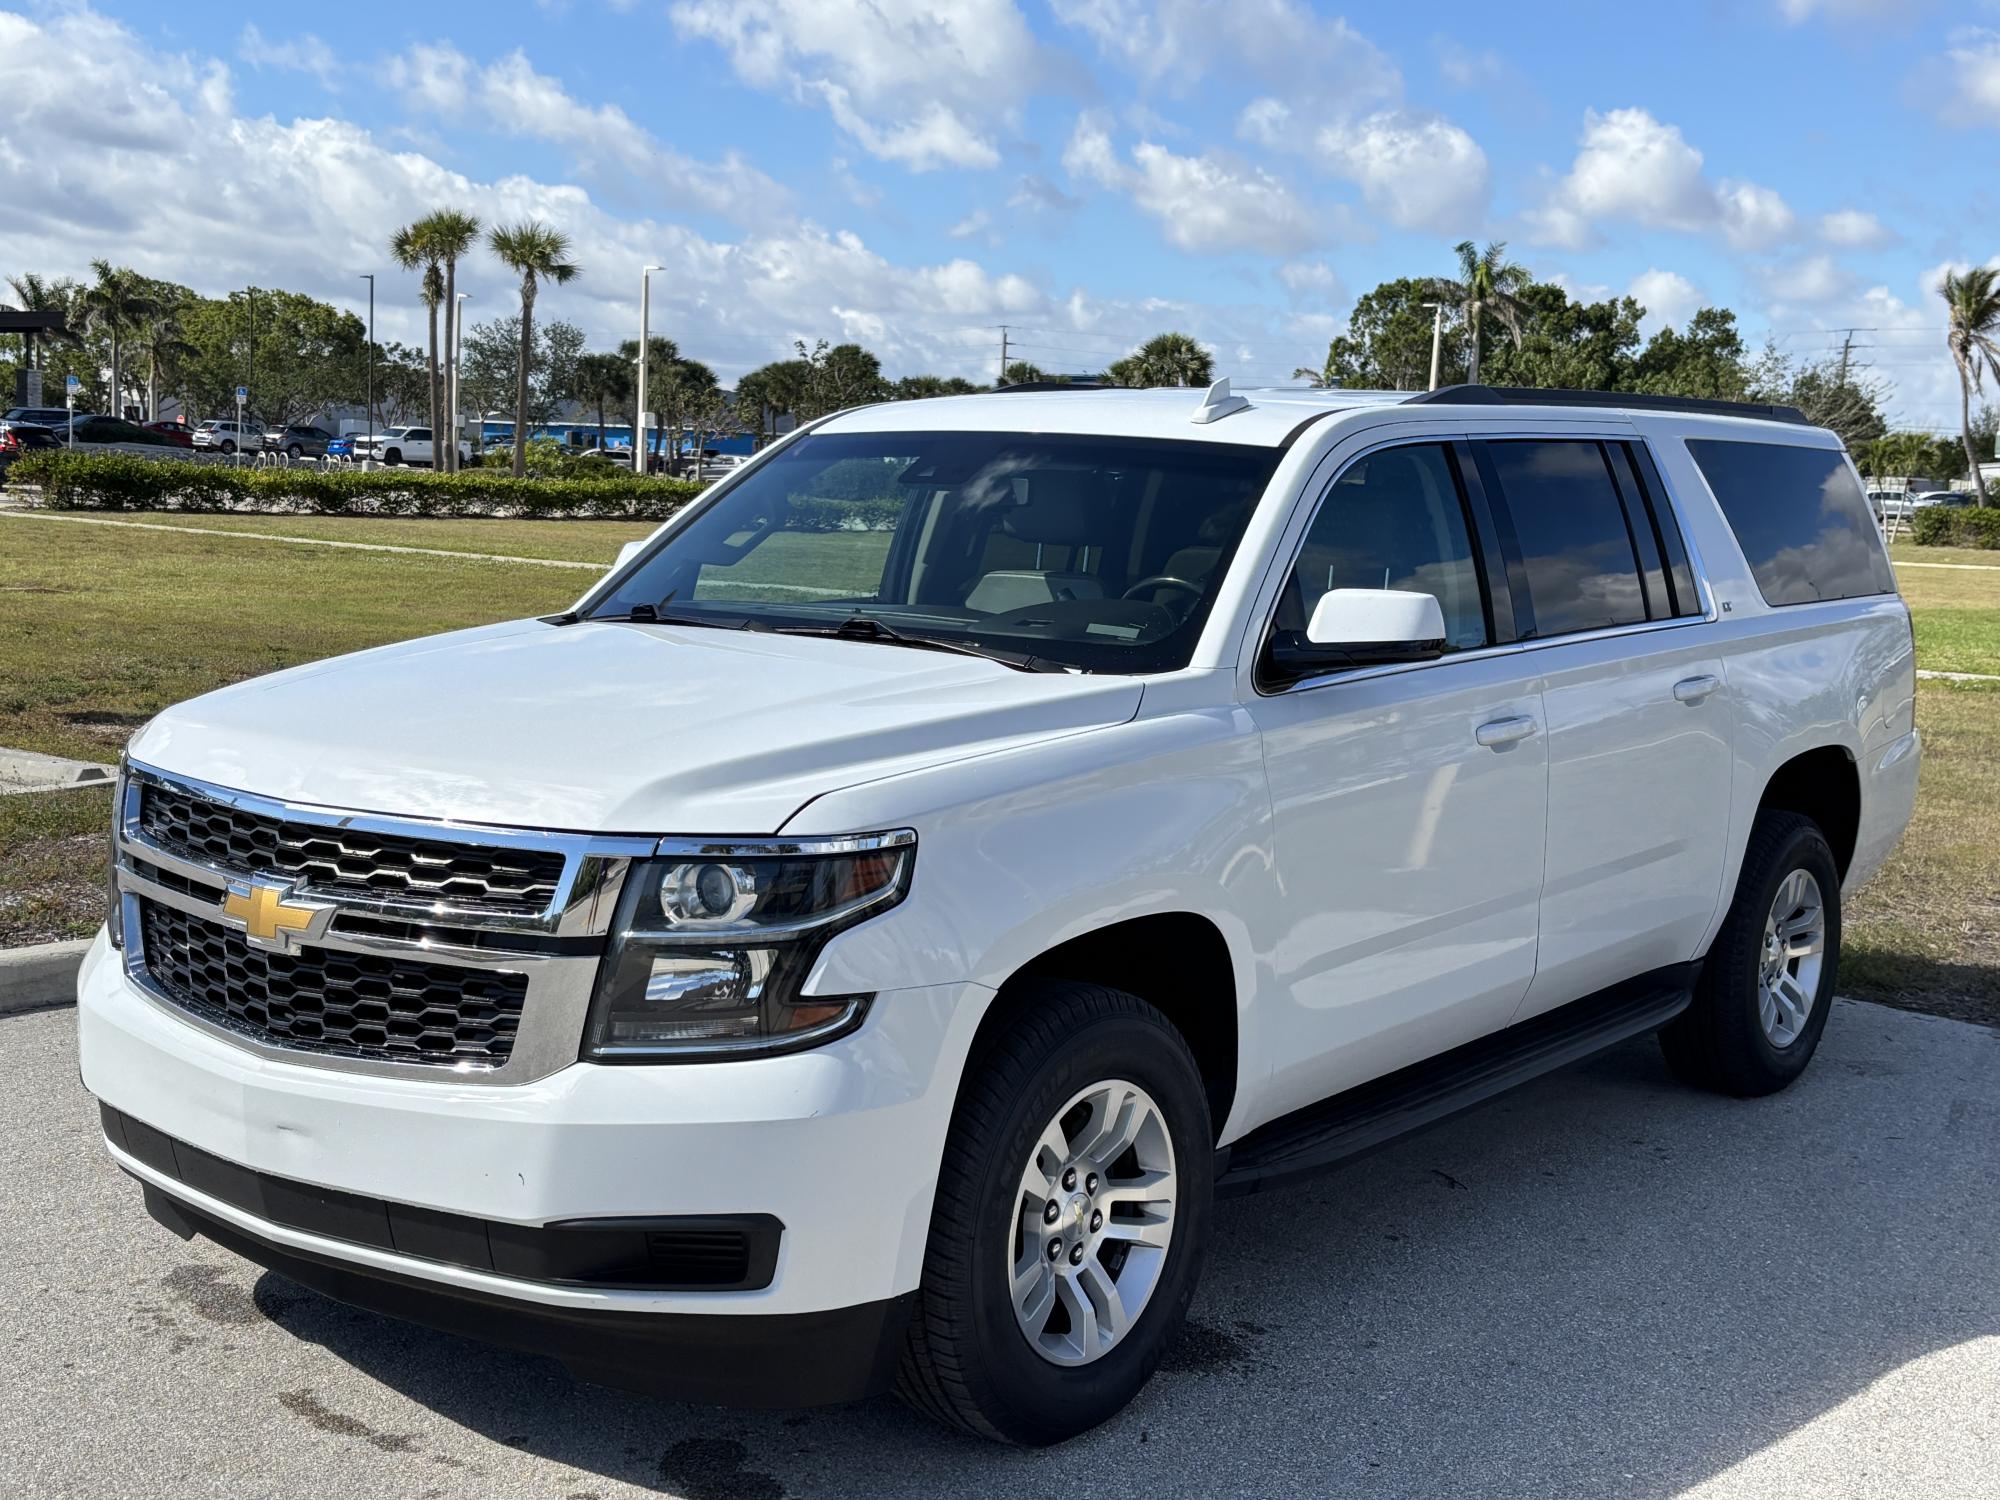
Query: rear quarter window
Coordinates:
[1799,516]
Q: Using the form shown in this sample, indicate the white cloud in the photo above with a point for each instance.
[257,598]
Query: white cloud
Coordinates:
[1796,11]
[1281,44]
[972,225]
[913,82]
[511,97]
[1855,229]
[304,53]
[1463,68]
[1634,167]
[1418,171]
[1204,204]
[1971,70]
[1814,279]
[1309,280]
[1669,298]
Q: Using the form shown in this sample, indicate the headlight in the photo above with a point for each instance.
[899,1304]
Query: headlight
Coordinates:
[714,940]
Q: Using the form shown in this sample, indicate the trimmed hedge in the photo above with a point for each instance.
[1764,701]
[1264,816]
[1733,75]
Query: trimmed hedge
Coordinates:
[116,481]
[1977,526]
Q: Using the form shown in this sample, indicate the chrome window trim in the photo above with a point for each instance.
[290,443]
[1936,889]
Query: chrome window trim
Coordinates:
[1445,434]
[560,983]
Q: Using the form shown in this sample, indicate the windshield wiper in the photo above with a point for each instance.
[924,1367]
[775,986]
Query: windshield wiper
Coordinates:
[868,628]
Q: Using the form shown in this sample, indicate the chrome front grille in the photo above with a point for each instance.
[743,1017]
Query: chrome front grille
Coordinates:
[319,1000]
[427,949]
[334,859]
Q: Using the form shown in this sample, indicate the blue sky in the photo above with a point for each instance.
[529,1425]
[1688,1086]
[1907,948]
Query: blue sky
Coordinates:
[1087,171]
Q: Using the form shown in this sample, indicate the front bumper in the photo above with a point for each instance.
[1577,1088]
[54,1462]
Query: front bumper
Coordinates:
[840,1144]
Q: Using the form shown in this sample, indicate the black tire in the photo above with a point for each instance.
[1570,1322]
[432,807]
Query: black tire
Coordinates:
[1718,1042]
[393,456]
[227,446]
[295,452]
[967,1362]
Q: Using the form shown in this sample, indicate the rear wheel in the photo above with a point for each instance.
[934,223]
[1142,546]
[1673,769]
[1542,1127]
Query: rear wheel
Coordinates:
[228,446]
[1767,985]
[295,452]
[1070,1223]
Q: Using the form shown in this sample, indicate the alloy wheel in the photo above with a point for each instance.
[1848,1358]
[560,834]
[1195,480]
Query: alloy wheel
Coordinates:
[1793,954]
[1093,1223]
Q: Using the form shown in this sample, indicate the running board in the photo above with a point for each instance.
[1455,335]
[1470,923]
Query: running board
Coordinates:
[1386,1109]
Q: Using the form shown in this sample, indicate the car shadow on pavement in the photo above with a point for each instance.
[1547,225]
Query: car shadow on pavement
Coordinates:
[1601,1283]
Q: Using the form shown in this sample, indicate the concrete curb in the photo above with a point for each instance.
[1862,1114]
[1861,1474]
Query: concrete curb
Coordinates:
[39,977]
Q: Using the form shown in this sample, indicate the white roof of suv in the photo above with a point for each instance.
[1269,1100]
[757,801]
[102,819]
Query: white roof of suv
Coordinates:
[1257,417]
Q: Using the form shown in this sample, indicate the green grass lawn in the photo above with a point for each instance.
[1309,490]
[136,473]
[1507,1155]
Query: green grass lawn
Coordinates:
[100,628]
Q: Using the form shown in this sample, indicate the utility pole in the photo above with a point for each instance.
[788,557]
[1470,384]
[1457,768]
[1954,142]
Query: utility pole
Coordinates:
[1003,358]
[1437,339]
[369,277]
[640,454]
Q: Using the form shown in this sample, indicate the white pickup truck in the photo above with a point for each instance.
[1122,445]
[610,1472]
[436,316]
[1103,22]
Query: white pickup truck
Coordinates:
[858,943]
[406,445]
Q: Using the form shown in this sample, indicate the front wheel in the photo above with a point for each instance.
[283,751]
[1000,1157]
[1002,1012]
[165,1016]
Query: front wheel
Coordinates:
[1768,982]
[393,456]
[1070,1221]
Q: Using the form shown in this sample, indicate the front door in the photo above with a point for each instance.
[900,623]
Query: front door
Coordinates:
[1409,803]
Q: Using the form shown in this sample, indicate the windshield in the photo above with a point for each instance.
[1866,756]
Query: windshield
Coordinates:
[1098,553]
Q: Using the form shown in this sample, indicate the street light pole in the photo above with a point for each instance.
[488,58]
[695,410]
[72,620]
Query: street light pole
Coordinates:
[369,277]
[640,454]
[1437,339]
[457,330]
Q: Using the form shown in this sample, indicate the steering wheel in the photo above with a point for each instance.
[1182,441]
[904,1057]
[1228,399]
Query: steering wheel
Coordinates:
[1162,581]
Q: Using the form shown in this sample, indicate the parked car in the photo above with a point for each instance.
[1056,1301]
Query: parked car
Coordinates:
[227,435]
[404,445]
[1947,499]
[834,954]
[341,446]
[301,440]
[18,438]
[177,433]
[116,435]
[41,416]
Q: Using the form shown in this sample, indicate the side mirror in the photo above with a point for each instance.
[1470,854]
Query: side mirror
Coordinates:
[1361,628]
[627,552]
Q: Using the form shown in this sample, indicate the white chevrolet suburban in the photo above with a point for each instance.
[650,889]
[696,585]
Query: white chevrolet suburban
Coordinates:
[858,942]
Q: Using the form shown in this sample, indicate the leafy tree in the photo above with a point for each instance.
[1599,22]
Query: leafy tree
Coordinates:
[1708,360]
[413,250]
[1972,333]
[772,391]
[489,374]
[168,353]
[1575,345]
[603,383]
[449,235]
[1020,372]
[1387,345]
[1166,359]
[845,375]
[295,353]
[117,306]
[32,293]
[671,382]
[402,385]
[1488,285]
[536,253]
[917,387]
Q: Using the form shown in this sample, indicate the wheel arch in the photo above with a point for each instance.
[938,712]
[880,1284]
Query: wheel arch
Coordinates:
[1176,961]
[1823,784]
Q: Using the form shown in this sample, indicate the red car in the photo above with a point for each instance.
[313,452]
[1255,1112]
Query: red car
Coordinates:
[174,432]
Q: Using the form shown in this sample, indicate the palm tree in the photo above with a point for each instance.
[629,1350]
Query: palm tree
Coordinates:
[1488,283]
[34,293]
[1326,376]
[166,351]
[116,305]
[603,383]
[1166,359]
[450,236]
[1972,304]
[413,250]
[538,253]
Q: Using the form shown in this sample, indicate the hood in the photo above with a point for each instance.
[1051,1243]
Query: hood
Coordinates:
[614,727]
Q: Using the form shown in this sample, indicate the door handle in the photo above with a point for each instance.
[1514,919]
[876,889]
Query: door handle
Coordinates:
[1497,732]
[1694,689]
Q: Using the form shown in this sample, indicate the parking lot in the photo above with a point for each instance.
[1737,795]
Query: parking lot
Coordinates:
[1602,1284]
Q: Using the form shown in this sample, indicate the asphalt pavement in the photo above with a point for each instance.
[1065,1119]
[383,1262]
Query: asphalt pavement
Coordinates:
[1602,1284]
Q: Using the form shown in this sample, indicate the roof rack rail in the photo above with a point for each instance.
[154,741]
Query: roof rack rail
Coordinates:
[1528,395]
[1051,385]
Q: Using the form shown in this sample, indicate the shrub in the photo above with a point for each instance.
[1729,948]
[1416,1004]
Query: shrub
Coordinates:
[1935,526]
[116,481]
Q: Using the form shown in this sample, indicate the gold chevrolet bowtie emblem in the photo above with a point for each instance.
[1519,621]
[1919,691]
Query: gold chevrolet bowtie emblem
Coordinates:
[268,919]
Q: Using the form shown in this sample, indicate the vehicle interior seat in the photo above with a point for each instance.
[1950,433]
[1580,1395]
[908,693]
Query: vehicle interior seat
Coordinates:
[1061,508]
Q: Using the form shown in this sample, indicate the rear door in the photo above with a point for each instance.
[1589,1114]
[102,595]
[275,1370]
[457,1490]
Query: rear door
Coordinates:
[1409,802]
[1637,710]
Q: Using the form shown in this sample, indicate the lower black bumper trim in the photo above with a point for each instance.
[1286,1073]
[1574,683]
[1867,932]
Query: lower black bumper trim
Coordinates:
[724,1359]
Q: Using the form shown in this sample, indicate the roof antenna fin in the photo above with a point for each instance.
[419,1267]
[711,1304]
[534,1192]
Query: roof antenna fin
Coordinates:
[1218,403]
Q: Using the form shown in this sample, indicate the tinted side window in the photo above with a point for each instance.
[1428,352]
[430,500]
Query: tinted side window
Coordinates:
[1394,520]
[1800,517]
[1576,549]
